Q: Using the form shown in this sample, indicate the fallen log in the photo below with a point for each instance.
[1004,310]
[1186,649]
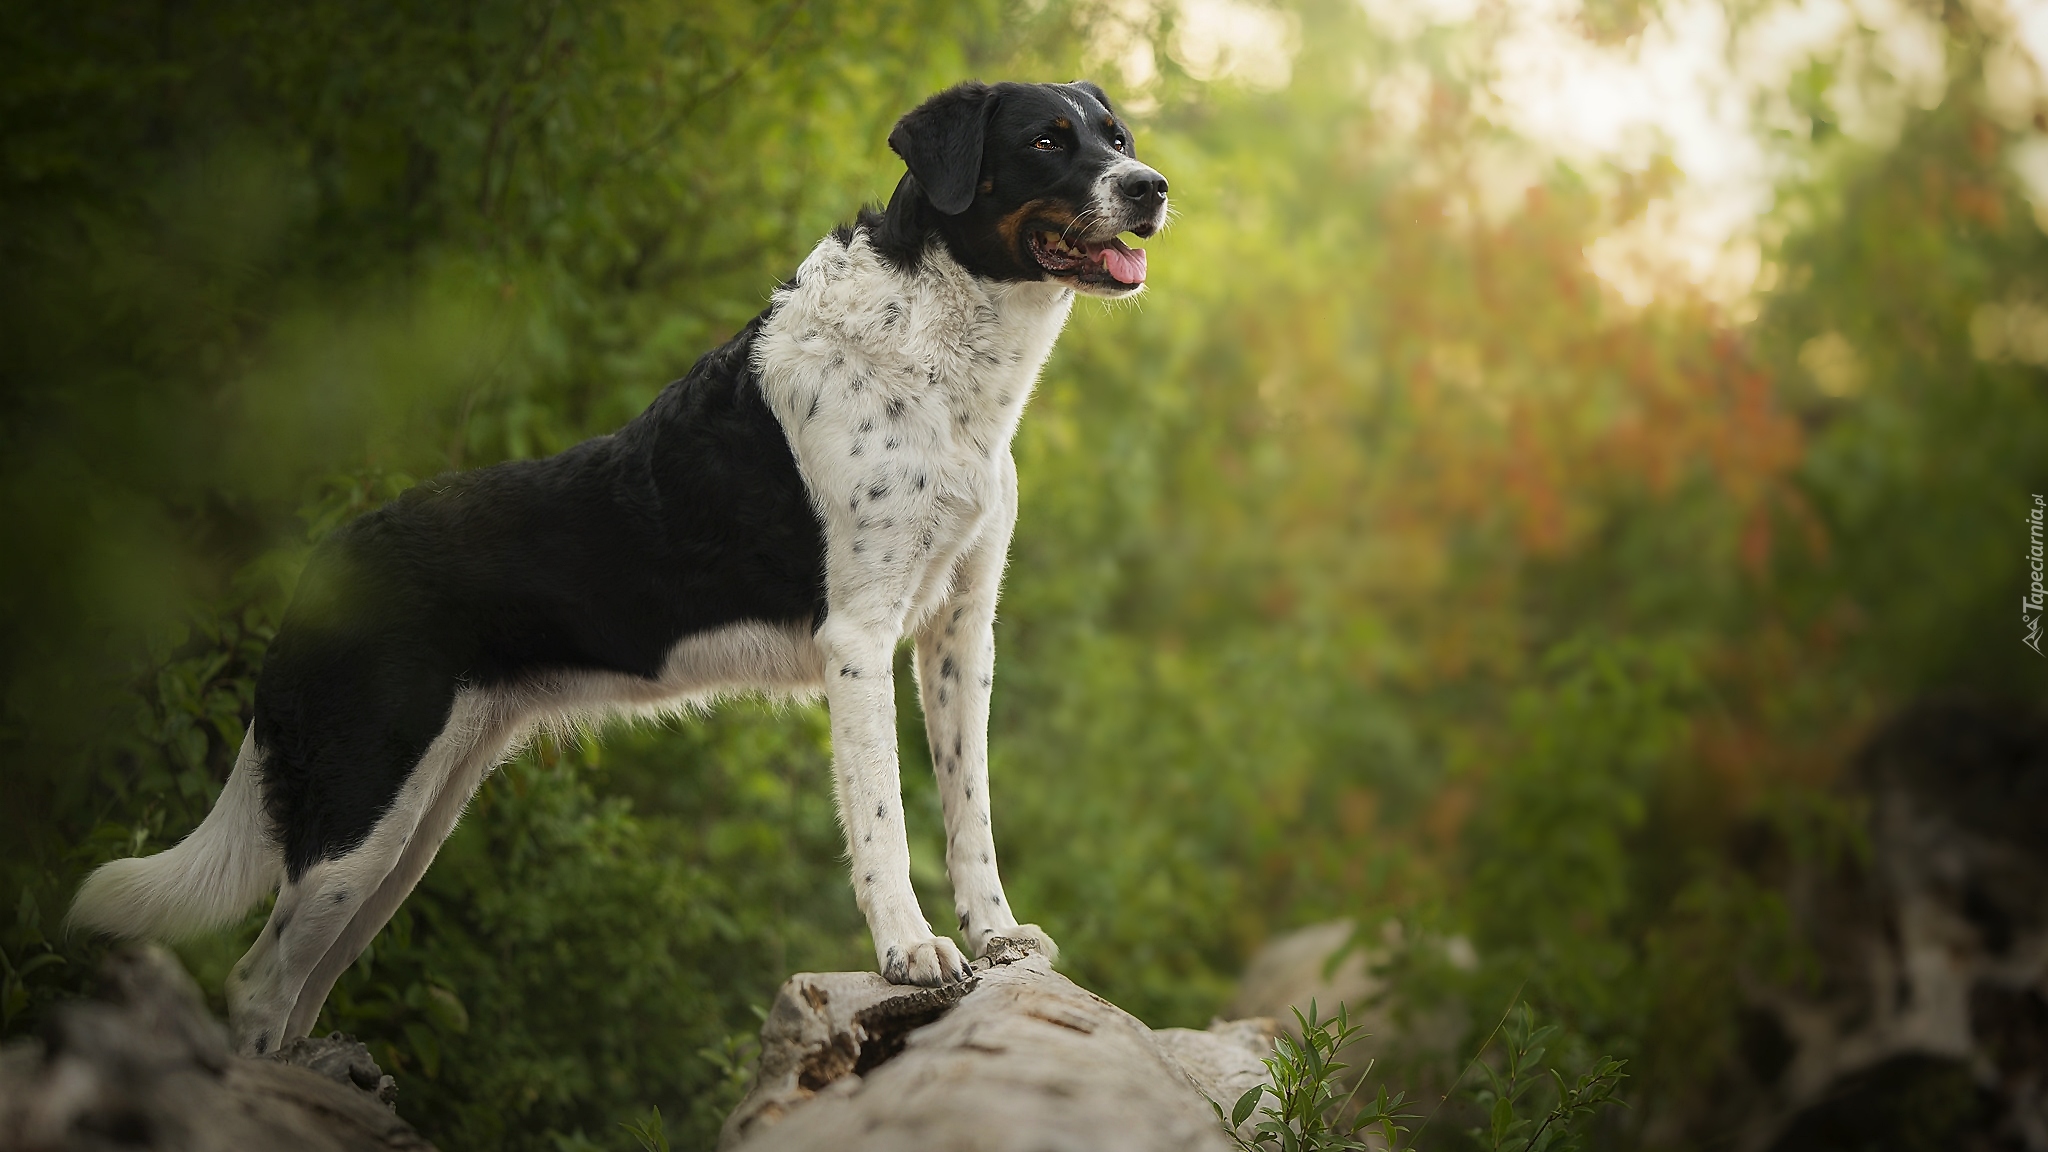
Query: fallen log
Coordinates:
[1019,1058]
[145,1067]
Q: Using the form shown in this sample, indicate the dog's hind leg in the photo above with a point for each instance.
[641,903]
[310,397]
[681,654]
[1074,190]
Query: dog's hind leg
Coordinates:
[465,769]
[325,917]
[310,912]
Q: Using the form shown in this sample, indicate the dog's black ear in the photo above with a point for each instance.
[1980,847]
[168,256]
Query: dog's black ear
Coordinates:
[940,141]
[1090,87]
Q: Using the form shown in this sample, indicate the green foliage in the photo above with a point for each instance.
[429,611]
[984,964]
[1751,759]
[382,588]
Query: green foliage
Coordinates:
[1305,1114]
[1528,1103]
[1559,815]
[1510,1096]
[648,1131]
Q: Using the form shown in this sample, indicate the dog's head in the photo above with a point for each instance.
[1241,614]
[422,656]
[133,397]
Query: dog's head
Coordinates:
[1033,182]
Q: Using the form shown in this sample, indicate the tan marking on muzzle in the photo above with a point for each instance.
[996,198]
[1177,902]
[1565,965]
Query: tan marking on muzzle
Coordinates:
[1052,210]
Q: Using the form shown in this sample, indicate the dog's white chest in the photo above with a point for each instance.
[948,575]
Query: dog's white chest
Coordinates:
[899,392]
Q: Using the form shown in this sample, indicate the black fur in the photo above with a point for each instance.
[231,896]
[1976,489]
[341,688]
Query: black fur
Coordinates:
[690,517]
[940,142]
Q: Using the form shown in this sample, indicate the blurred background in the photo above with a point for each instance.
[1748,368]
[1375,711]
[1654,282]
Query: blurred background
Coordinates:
[1558,520]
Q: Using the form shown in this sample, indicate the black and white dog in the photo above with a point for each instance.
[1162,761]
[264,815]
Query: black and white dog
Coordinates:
[834,478]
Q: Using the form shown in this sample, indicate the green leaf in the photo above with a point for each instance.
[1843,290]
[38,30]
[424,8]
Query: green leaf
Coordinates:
[45,960]
[425,1048]
[1242,1110]
[649,1131]
[446,1009]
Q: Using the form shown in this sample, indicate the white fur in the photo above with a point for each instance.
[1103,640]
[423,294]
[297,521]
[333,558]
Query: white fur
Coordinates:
[900,392]
[205,881]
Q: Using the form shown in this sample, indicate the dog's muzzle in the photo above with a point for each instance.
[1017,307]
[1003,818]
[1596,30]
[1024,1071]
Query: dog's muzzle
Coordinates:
[1145,190]
[1129,199]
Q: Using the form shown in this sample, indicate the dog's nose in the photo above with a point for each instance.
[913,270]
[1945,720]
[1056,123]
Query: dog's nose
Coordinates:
[1143,185]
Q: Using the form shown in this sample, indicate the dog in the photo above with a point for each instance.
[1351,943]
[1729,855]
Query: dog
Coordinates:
[834,478]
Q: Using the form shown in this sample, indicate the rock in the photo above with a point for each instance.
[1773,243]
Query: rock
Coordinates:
[1404,1047]
[1020,1059]
[145,1067]
[1294,968]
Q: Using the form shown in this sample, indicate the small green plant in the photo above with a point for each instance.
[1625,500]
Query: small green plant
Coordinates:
[734,1059]
[1506,1095]
[1305,1114]
[648,1131]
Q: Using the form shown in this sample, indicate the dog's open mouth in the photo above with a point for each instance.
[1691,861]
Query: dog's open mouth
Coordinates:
[1111,262]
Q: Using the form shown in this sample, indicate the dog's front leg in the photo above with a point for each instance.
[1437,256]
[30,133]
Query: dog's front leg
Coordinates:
[956,655]
[859,688]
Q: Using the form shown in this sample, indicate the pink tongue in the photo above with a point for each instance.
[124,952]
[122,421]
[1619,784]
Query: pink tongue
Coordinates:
[1126,264]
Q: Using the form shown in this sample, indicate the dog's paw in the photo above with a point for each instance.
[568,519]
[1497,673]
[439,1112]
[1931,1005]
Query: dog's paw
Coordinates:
[928,963]
[1021,937]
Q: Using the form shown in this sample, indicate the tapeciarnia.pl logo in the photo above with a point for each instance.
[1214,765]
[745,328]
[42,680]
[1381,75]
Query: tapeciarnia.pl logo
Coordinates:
[2037,596]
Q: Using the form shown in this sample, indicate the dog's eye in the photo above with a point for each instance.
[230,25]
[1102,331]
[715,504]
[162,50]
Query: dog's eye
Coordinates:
[1046,144]
[1119,142]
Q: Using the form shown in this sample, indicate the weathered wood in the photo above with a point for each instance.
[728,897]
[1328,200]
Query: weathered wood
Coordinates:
[1022,1059]
[145,1067]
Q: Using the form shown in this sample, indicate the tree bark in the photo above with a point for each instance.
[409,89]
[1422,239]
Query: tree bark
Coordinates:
[1019,1059]
[146,1067]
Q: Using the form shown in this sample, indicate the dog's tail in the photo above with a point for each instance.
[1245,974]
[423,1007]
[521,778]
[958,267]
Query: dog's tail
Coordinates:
[207,880]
